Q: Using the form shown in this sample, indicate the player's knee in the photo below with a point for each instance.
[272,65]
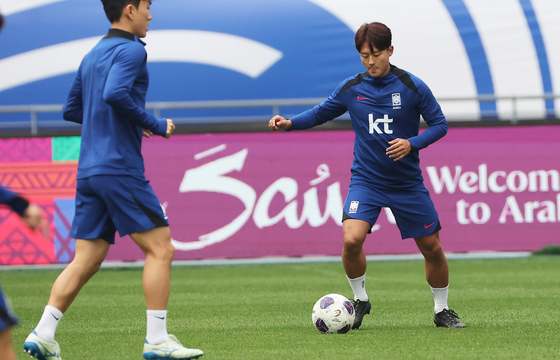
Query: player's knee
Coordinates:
[431,249]
[170,251]
[164,252]
[86,266]
[353,243]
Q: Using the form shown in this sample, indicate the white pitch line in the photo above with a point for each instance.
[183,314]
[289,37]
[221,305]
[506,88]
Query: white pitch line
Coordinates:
[286,260]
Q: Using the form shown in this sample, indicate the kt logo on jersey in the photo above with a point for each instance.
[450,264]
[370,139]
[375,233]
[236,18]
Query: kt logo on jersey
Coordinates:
[374,125]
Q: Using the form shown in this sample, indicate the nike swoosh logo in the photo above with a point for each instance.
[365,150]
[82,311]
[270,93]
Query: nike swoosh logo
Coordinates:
[361,98]
[161,318]
[427,226]
[54,316]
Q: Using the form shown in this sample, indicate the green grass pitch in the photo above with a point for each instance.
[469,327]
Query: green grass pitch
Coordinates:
[511,308]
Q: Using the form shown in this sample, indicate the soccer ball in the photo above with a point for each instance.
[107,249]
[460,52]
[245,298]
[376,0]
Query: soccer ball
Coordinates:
[333,313]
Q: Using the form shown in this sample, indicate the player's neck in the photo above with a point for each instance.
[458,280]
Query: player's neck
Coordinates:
[121,25]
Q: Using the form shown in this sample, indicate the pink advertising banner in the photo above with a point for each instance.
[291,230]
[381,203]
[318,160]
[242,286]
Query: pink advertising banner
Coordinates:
[281,194]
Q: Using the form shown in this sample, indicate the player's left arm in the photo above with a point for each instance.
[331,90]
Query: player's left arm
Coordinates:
[127,64]
[430,110]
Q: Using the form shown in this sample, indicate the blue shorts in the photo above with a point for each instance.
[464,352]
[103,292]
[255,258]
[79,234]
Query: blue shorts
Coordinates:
[109,203]
[413,209]
[7,316]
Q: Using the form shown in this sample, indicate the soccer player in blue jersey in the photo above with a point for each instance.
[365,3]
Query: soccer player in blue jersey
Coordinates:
[108,97]
[385,104]
[31,215]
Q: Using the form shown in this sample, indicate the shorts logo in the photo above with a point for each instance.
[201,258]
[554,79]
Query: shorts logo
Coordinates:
[164,212]
[396,99]
[353,207]
[427,226]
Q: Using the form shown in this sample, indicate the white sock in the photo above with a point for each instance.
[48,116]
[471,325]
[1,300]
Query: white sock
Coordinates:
[48,323]
[358,286]
[157,326]
[440,298]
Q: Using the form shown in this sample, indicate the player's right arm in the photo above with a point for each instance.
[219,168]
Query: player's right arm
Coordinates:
[329,109]
[279,123]
[73,108]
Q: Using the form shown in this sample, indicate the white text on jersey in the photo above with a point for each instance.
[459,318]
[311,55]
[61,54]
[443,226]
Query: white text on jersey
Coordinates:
[373,124]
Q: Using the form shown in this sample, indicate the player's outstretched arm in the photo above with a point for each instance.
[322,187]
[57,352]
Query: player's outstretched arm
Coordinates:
[279,123]
[33,217]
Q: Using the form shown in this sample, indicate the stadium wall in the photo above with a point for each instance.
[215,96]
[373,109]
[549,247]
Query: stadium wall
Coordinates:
[280,194]
[227,50]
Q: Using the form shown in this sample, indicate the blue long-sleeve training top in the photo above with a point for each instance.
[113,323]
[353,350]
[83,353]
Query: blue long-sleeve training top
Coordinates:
[13,200]
[382,109]
[108,97]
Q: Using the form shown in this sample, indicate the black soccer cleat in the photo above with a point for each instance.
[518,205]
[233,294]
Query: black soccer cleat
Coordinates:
[448,318]
[361,308]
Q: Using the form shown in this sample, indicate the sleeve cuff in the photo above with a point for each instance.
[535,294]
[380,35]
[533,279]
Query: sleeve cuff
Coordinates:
[161,127]
[19,205]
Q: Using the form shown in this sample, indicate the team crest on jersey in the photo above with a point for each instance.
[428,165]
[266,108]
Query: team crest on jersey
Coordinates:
[396,100]
[353,207]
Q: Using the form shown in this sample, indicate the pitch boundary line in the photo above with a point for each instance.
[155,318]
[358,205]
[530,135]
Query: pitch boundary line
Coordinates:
[284,260]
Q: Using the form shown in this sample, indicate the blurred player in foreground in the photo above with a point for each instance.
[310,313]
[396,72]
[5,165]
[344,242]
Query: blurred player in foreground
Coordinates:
[31,215]
[108,97]
[385,104]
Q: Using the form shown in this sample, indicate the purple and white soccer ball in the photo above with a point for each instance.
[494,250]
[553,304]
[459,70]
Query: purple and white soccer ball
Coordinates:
[333,314]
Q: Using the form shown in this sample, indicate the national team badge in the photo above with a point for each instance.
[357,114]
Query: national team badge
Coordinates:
[396,99]
[353,207]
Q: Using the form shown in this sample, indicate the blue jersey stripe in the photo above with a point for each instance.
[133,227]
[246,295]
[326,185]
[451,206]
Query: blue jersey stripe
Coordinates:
[476,53]
[541,53]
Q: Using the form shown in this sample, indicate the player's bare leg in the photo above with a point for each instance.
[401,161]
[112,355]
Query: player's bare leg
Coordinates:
[6,349]
[355,264]
[435,262]
[437,275]
[87,261]
[353,256]
[156,281]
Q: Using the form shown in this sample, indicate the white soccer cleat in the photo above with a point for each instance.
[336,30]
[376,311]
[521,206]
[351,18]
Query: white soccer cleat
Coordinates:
[170,349]
[41,348]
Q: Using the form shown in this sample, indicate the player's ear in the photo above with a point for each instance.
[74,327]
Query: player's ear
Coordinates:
[390,50]
[128,12]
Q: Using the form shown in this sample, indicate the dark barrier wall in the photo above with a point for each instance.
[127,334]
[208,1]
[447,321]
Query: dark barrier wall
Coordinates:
[280,194]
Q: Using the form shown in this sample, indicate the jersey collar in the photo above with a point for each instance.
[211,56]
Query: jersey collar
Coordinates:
[112,33]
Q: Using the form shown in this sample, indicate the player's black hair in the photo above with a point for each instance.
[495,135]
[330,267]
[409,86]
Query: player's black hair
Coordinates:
[114,8]
[1,21]
[375,34]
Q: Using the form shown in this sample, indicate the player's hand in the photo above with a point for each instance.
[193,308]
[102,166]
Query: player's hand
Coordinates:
[398,149]
[147,133]
[279,123]
[33,217]
[170,128]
